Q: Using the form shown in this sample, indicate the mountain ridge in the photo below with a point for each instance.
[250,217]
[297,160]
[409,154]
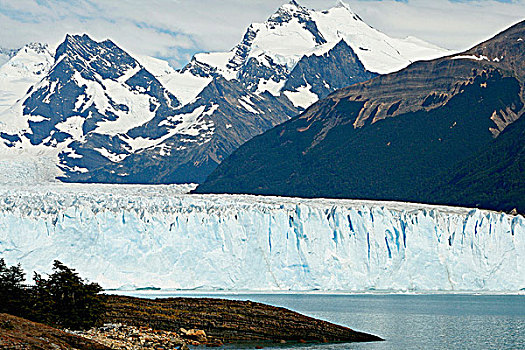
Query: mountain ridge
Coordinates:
[388,137]
[103,115]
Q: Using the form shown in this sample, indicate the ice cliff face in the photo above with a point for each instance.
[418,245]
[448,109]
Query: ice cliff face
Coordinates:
[155,236]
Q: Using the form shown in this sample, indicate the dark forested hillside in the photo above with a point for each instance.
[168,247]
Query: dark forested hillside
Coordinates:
[493,178]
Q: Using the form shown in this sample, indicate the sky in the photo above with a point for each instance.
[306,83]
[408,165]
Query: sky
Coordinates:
[176,29]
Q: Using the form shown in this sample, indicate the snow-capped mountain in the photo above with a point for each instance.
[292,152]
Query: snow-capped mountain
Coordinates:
[295,31]
[24,68]
[270,51]
[6,54]
[201,134]
[103,115]
[106,118]
[153,236]
[449,130]
[91,99]
[285,64]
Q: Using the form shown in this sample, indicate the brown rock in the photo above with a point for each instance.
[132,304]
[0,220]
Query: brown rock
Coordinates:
[196,334]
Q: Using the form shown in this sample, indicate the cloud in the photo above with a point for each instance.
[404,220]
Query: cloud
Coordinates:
[175,29]
[455,24]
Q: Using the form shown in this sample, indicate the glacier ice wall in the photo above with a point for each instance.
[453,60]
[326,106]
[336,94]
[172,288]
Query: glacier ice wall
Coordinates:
[156,236]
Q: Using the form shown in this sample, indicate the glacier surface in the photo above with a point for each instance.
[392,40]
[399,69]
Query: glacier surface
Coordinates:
[125,235]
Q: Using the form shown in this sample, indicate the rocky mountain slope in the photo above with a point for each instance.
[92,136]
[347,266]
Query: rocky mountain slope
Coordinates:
[391,137]
[102,115]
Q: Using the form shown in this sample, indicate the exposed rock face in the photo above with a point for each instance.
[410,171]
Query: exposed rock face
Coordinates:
[338,68]
[430,85]
[392,136]
[196,334]
[229,321]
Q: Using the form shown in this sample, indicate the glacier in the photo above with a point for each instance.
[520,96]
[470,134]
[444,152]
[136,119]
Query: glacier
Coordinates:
[132,235]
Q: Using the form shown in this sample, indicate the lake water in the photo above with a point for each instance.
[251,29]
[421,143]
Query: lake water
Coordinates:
[441,321]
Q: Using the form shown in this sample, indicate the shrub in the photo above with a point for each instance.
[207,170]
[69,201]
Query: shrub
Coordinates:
[63,299]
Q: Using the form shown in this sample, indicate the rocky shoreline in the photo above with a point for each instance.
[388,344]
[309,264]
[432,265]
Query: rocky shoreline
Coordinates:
[119,336]
[177,323]
[227,321]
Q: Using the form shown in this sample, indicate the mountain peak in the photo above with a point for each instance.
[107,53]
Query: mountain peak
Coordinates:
[71,42]
[344,5]
[104,56]
[77,37]
[290,8]
[37,47]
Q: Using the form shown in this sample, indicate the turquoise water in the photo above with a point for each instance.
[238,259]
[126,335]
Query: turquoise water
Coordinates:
[407,321]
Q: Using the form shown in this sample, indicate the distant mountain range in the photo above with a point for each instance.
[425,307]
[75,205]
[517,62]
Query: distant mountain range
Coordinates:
[6,55]
[103,115]
[449,131]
